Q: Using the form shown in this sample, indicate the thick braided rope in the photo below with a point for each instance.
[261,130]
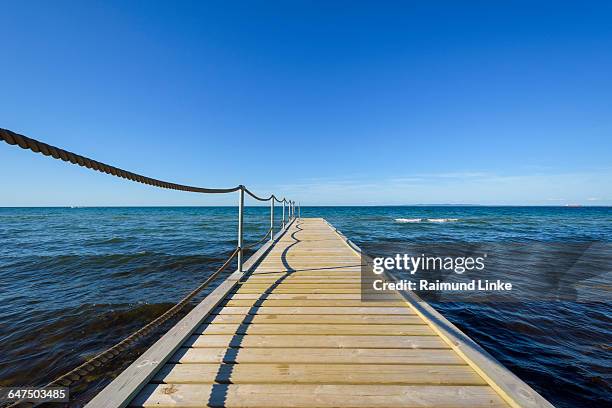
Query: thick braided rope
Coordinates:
[255,196]
[272,197]
[24,142]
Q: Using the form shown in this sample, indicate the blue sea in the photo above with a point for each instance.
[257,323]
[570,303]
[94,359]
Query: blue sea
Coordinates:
[76,280]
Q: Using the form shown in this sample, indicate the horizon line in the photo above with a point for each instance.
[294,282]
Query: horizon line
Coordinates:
[318,205]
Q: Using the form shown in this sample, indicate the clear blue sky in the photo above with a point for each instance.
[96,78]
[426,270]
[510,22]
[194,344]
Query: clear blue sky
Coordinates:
[491,102]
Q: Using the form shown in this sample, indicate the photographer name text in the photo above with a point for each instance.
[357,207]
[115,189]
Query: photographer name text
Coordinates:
[426,285]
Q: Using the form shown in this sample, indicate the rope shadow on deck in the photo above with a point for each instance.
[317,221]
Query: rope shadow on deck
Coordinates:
[219,390]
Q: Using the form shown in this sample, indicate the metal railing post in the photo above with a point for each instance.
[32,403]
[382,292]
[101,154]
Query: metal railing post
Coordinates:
[272,219]
[240,222]
[283,213]
[299,210]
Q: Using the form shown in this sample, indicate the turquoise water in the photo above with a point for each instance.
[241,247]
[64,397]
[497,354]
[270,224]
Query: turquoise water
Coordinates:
[76,280]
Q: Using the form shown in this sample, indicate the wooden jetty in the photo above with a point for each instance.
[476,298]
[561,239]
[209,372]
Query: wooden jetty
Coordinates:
[289,328]
[293,331]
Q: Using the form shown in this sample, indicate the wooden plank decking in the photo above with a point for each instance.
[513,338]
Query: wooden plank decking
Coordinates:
[294,333]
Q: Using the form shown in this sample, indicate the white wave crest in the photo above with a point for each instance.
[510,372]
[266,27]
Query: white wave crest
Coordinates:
[403,220]
[442,219]
[414,220]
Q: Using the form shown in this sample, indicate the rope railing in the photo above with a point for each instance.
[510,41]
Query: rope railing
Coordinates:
[256,197]
[279,200]
[36,146]
[272,197]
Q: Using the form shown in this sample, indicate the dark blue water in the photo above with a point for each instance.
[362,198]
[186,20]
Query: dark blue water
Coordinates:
[75,280]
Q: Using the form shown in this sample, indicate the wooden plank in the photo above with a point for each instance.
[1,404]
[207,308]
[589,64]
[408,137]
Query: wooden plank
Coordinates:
[309,260]
[314,319]
[322,282]
[264,270]
[338,258]
[305,296]
[264,286]
[329,341]
[304,355]
[307,265]
[311,303]
[309,329]
[291,290]
[319,395]
[316,251]
[268,373]
[276,310]
[288,279]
